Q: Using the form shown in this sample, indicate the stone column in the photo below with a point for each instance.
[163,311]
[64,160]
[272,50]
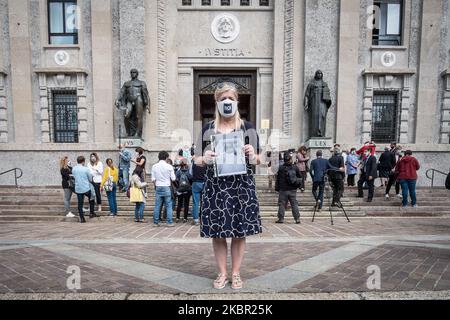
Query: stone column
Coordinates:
[404,112]
[428,70]
[445,117]
[3,109]
[43,102]
[348,73]
[82,108]
[102,70]
[367,108]
[278,38]
[21,70]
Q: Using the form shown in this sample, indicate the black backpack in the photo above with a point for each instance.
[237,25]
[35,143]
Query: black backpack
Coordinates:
[292,178]
[184,185]
[447,182]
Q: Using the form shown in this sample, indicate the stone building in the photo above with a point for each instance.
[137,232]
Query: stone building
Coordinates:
[62,63]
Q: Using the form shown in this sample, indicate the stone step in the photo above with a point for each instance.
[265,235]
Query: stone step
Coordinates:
[264,218]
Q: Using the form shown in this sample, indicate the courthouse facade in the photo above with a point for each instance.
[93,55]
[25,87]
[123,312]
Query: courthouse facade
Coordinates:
[63,62]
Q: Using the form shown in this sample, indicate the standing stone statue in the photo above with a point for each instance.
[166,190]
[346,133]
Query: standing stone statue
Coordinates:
[133,100]
[317,102]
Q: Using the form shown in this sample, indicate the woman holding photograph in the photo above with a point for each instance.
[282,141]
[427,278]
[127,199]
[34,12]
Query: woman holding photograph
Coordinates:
[230,206]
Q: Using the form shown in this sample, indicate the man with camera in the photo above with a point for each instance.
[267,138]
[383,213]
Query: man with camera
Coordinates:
[336,174]
[288,181]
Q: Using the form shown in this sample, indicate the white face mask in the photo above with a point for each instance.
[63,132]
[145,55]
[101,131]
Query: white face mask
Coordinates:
[227,108]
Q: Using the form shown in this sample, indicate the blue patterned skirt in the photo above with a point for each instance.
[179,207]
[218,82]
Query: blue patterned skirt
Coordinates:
[230,207]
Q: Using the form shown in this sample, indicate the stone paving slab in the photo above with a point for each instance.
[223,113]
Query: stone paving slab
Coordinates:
[34,269]
[402,268]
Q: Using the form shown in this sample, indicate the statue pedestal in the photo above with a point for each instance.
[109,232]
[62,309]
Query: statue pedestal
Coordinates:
[131,142]
[319,143]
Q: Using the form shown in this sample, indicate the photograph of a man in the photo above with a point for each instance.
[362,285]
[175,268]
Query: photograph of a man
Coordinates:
[230,158]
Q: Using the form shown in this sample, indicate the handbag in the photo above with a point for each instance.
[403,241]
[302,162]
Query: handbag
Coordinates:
[136,195]
[109,184]
[71,183]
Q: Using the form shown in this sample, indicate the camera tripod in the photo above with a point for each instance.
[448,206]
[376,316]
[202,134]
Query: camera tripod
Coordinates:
[328,188]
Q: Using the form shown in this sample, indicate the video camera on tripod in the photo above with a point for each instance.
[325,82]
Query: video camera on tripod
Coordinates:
[328,187]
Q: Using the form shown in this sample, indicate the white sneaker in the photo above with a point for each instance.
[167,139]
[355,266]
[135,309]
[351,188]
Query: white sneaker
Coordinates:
[415,206]
[399,196]
[85,210]
[386,196]
[70,215]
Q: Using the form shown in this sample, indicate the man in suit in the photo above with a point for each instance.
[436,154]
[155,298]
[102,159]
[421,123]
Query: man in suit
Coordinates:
[368,174]
[318,171]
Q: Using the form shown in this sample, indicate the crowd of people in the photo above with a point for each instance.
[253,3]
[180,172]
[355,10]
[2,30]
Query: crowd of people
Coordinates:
[391,167]
[175,182]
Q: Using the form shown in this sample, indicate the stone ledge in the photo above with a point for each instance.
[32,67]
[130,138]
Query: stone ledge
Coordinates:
[372,71]
[62,46]
[61,70]
[391,48]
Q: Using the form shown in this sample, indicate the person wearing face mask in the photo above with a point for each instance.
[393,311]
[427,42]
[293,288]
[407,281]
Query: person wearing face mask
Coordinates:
[96,167]
[230,207]
[368,174]
[352,164]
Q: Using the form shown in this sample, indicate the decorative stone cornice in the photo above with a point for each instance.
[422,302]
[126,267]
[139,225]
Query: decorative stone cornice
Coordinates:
[3,72]
[446,73]
[61,71]
[372,71]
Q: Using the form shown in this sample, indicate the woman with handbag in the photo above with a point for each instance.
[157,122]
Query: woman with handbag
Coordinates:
[138,194]
[109,184]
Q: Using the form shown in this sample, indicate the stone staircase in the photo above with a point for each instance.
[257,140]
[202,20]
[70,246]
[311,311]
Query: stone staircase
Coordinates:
[30,204]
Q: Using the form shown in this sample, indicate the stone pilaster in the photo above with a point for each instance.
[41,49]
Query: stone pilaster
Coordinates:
[102,70]
[445,114]
[3,109]
[428,70]
[348,72]
[22,102]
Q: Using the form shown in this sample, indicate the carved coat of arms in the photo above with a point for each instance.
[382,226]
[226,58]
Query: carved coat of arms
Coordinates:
[225,27]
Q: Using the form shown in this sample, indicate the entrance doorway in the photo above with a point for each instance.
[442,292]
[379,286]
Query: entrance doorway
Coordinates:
[205,84]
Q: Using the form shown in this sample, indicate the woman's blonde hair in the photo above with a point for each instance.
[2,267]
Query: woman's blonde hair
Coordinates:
[62,162]
[225,87]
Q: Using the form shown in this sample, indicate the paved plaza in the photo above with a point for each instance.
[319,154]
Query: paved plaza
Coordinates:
[367,258]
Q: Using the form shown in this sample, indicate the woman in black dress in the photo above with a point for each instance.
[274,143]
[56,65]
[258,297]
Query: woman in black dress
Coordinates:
[229,206]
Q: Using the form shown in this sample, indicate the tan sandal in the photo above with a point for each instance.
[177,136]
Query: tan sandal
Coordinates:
[236,281]
[221,281]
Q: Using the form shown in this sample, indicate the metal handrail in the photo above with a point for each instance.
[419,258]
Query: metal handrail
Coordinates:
[432,175]
[15,174]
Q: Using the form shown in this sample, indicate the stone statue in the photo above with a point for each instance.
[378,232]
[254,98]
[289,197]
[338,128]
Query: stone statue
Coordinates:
[317,102]
[133,100]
